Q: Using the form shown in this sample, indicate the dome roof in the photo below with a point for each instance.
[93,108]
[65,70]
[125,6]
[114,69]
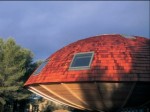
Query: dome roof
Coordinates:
[101,73]
[108,58]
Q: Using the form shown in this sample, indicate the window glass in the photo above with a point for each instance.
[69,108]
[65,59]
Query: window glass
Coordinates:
[81,60]
[38,70]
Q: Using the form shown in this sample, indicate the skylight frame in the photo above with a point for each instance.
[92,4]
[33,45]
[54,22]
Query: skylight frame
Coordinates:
[81,67]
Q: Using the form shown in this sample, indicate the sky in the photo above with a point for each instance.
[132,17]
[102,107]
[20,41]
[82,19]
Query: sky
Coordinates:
[46,26]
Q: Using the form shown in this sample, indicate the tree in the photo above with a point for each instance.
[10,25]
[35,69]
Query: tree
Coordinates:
[15,66]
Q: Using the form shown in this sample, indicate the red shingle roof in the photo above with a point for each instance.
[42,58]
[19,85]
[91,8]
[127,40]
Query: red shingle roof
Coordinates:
[116,58]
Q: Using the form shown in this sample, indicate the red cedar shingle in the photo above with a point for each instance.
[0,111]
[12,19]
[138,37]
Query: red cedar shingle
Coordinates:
[116,58]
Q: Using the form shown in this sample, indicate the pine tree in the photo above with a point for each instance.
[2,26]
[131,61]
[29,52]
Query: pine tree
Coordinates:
[15,66]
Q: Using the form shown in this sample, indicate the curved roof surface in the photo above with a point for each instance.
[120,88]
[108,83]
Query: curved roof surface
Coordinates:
[115,58]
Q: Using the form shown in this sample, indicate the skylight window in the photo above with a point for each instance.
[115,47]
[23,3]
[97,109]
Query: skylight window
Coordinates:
[39,69]
[129,36]
[81,61]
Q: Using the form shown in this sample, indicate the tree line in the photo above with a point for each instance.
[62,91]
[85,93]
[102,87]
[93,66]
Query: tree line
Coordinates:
[16,64]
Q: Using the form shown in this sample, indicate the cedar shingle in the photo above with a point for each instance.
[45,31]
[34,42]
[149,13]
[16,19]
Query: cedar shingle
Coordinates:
[116,58]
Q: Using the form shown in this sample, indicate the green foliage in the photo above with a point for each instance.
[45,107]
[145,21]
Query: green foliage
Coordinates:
[15,67]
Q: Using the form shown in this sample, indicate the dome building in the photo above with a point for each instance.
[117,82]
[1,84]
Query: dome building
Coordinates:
[101,73]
